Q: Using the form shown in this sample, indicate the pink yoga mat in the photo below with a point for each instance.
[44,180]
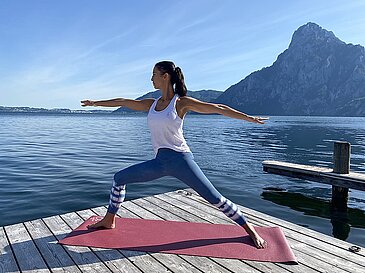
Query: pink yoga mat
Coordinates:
[199,239]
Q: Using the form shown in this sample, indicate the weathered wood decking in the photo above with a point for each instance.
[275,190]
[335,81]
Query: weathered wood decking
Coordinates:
[319,174]
[32,247]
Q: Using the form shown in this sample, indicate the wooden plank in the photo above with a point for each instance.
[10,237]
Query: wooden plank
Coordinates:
[54,254]
[203,263]
[7,260]
[85,259]
[26,253]
[171,208]
[323,254]
[318,174]
[200,215]
[143,260]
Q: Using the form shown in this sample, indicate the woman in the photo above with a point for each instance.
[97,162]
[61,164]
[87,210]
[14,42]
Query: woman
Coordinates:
[173,155]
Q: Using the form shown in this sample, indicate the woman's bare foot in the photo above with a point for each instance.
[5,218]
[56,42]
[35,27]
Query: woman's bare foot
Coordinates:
[107,222]
[256,238]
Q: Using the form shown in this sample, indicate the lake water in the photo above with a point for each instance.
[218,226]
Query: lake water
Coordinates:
[53,164]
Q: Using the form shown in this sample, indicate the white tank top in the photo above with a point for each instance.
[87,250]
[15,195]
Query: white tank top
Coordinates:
[166,127]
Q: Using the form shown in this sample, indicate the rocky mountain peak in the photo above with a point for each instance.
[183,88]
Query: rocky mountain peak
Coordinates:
[317,75]
[313,34]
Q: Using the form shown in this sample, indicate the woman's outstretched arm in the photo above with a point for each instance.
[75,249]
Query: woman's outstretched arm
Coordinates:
[138,105]
[198,106]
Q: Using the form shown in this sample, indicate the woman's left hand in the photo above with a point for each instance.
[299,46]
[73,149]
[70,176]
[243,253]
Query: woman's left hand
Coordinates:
[259,120]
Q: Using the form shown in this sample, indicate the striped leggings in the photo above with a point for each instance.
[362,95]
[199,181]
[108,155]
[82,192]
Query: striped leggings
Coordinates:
[180,165]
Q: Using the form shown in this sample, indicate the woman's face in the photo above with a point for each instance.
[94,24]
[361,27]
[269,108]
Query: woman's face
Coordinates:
[157,78]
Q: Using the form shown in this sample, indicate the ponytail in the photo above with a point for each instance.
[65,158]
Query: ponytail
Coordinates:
[176,75]
[180,87]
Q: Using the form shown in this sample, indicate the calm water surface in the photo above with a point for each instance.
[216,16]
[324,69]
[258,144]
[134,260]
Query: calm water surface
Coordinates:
[53,164]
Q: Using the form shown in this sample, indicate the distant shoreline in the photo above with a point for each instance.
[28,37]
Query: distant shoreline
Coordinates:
[135,114]
[31,110]
[127,112]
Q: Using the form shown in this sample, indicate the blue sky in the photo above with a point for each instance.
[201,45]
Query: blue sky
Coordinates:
[55,53]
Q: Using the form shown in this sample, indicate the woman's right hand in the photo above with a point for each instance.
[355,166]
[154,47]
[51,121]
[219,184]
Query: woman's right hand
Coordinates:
[87,103]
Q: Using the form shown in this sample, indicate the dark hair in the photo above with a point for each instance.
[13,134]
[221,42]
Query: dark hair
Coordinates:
[177,77]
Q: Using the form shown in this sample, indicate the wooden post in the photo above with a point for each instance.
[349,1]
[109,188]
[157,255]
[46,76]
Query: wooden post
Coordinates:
[341,164]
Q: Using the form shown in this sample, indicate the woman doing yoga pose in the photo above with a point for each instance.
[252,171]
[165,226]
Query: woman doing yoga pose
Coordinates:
[172,154]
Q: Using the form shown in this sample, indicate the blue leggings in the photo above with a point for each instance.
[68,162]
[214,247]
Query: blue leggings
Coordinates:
[177,164]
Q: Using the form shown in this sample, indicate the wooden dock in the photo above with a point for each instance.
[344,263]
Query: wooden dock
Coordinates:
[32,246]
[350,180]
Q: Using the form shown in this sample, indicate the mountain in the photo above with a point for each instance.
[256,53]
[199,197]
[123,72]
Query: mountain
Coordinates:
[204,95]
[317,75]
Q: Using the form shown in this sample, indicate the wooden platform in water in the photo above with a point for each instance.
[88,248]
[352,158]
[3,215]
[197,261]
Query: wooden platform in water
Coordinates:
[31,246]
[351,180]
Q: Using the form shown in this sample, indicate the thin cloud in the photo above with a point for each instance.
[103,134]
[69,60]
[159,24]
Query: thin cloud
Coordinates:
[103,44]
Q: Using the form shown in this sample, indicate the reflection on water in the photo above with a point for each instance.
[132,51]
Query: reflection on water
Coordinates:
[341,220]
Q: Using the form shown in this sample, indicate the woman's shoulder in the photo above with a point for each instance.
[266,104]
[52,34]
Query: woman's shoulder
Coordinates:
[186,99]
[187,103]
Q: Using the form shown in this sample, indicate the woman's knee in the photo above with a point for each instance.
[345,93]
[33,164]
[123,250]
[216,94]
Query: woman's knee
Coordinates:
[211,195]
[201,184]
[118,179]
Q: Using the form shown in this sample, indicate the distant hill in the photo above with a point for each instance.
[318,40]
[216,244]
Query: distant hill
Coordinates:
[204,95]
[317,75]
[4,109]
